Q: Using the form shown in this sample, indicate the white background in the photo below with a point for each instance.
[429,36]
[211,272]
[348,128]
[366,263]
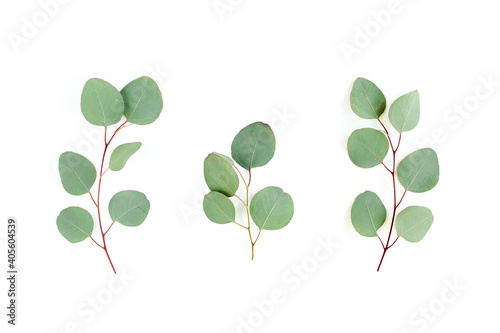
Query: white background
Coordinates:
[218,74]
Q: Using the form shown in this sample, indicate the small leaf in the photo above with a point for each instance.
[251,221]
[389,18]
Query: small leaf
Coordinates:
[101,103]
[413,223]
[367,147]
[75,224]
[77,173]
[143,101]
[404,113]
[419,171]
[271,208]
[129,208]
[220,175]
[368,214]
[254,146]
[367,101]
[218,208]
[121,154]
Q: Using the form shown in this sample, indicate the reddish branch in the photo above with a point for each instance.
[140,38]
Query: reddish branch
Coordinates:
[396,203]
[97,203]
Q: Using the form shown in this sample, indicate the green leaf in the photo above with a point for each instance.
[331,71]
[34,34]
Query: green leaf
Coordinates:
[220,175]
[75,224]
[271,208]
[129,208]
[77,173]
[218,208]
[254,146]
[101,103]
[367,101]
[404,113]
[121,154]
[413,223]
[367,147]
[419,171]
[368,214]
[143,101]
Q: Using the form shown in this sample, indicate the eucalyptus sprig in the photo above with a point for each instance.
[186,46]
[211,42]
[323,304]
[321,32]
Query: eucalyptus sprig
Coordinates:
[418,172]
[270,208]
[139,102]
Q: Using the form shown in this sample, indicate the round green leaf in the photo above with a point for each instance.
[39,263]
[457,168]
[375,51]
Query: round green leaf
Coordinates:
[227,158]
[413,223]
[75,224]
[367,101]
[77,173]
[129,208]
[404,113]
[419,171]
[367,147]
[271,208]
[101,103]
[368,214]
[254,146]
[143,101]
[121,154]
[220,175]
[218,208]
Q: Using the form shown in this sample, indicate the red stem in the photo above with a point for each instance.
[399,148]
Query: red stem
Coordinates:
[103,234]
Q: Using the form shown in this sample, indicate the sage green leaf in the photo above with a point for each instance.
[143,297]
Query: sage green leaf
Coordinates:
[77,173]
[413,223]
[101,103]
[271,208]
[404,113]
[218,208]
[129,208]
[75,224]
[368,214]
[254,146]
[367,101]
[419,171]
[143,101]
[367,147]
[220,175]
[121,154]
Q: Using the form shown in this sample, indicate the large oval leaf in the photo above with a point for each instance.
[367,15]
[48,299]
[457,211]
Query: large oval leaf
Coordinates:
[254,146]
[413,223]
[77,173]
[218,208]
[419,171]
[75,224]
[367,101]
[101,103]
[220,175]
[367,147]
[129,208]
[404,113]
[121,154]
[368,214]
[271,208]
[143,101]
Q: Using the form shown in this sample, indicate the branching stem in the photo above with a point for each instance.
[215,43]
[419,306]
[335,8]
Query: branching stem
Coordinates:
[395,202]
